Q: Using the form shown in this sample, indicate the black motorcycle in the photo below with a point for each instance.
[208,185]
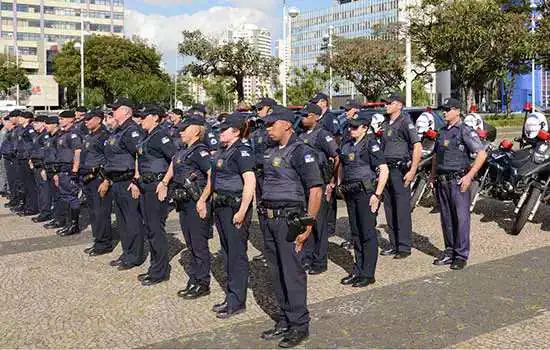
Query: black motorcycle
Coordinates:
[419,185]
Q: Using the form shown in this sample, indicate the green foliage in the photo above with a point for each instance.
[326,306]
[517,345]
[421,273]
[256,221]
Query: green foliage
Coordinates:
[220,93]
[374,66]
[232,60]
[11,75]
[420,97]
[116,66]
[304,84]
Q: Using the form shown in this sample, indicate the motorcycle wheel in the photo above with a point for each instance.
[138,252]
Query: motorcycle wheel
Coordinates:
[418,190]
[525,211]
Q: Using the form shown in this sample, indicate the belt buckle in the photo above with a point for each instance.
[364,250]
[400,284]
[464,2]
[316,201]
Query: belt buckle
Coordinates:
[270,213]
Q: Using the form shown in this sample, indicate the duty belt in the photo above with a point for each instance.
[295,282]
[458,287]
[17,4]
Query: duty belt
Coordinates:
[279,213]
[403,165]
[449,176]
[119,176]
[91,174]
[226,200]
[37,163]
[363,186]
[148,178]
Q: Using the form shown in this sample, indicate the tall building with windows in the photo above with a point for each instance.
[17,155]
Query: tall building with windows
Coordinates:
[36,29]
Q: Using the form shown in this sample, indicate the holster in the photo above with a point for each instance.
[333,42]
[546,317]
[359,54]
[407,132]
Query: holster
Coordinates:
[37,163]
[327,171]
[223,200]
[148,178]
[402,165]
[90,175]
[449,177]
[178,195]
[360,186]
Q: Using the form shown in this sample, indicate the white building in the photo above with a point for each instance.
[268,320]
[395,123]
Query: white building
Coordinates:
[260,39]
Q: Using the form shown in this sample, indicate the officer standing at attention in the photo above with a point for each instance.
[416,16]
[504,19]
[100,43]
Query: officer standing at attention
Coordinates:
[80,123]
[7,148]
[91,169]
[362,160]
[155,153]
[37,155]
[452,175]
[316,247]
[232,184]
[290,203]
[120,167]
[260,142]
[18,163]
[401,145]
[51,168]
[185,180]
[69,145]
[210,137]
[25,143]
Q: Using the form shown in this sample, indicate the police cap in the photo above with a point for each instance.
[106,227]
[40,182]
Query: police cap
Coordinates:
[265,101]
[122,101]
[94,113]
[81,109]
[394,96]
[52,119]
[27,114]
[234,120]
[361,118]
[15,113]
[190,121]
[311,108]
[151,110]
[178,112]
[351,104]
[66,114]
[281,114]
[41,118]
[318,97]
[451,103]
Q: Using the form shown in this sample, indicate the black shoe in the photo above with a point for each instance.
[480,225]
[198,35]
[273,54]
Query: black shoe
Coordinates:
[388,252]
[124,267]
[293,338]
[96,252]
[200,290]
[347,245]
[41,218]
[53,224]
[182,292]
[72,227]
[219,307]
[142,276]
[445,260]
[149,281]
[274,333]
[11,203]
[88,250]
[306,267]
[363,282]
[317,270]
[349,280]
[229,312]
[458,264]
[28,213]
[402,255]
[116,262]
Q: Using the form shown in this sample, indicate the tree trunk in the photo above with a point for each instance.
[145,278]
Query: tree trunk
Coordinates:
[239,86]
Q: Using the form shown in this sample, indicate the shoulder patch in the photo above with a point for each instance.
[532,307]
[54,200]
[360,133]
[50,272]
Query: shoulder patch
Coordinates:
[210,134]
[411,126]
[31,131]
[165,140]
[135,134]
[213,141]
[375,148]
[308,158]
[329,138]
[335,121]
[204,154]
[74,136]
[245,154]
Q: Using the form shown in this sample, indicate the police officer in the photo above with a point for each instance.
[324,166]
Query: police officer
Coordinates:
[8,153]
[316,248]
[91,170]
[154,155]
[260,142]
[51,168]
[401,146]
[120,170]
[37,155]
[80,123]
[25,142]
[68,145]
[19,191]
[292,189]
[212,133]
[186,177]
[232,184]
[362,160]
[351,108]
[452,175]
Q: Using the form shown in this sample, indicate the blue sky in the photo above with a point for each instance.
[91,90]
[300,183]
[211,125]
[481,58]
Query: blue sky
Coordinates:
[162,21]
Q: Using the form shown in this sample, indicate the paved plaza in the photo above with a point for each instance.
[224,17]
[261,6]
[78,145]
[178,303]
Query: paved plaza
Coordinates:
[55,296]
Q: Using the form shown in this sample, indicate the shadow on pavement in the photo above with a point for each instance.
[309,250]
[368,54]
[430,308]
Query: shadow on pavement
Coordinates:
[419,242]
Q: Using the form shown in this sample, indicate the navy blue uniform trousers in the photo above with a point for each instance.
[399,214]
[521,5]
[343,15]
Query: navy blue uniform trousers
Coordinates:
[155,213]
[397,207]
[234,243]
[455,218]
[196,233]
[44,193]
[129,223]
[68,189]
[289,277]
[100,215]
[316,246]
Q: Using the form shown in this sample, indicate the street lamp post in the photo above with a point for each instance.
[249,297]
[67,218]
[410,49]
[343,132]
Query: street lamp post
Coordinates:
[533,7]
[293,12]
[81,47]
[327,39]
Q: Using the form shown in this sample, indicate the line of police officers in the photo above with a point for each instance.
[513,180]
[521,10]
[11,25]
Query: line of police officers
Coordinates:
[141,164]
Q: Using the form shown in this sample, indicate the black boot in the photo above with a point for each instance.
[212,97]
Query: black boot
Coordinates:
[53,224]
[72,227]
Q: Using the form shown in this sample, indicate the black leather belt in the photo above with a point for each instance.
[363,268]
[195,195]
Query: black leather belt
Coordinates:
[449,176]
[279,213]
[119,176]
[148,178]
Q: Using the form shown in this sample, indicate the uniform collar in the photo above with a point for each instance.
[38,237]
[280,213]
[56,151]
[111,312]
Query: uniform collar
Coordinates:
[126,124]
[455,125]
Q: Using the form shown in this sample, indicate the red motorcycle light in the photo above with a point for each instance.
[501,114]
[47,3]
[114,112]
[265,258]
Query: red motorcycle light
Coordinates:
[431,134]
[506,144]
[482,134]
[543,135]
[379,133]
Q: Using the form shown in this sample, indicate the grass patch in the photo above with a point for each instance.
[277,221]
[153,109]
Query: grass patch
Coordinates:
[503,120]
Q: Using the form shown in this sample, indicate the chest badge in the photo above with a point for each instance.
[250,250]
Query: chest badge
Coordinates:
[87,145]
[219,163]
[351,156]
[390,132]
[112,141]
[306,141]
[276,162]
[260,140]
[140,150]
[60,142]
[446,143]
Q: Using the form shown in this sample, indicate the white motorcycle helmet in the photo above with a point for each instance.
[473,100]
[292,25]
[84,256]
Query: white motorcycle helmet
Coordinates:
[424,123]
[376,122]
[474,120]
[535,123]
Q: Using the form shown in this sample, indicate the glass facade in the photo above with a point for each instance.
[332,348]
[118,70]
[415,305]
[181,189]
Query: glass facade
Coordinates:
[348,19]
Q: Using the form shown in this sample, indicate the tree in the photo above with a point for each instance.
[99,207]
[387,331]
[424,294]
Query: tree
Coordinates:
[304,84]
[235,60]
[11,75]
[220,93]
[479,41]
[374,66]
[116,66]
